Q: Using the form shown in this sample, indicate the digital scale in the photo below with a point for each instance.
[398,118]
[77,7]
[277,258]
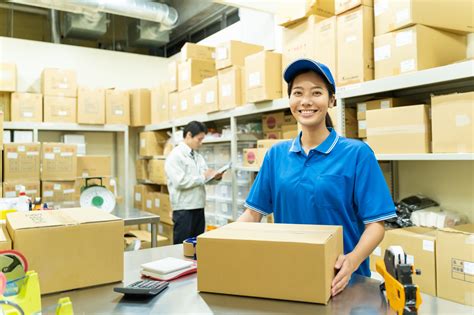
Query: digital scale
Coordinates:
[97,196]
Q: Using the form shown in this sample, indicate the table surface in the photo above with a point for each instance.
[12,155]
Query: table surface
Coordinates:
[133,216]
[362,297]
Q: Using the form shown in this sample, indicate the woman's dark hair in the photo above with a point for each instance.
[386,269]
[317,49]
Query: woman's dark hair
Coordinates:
[328,87]
[195,128]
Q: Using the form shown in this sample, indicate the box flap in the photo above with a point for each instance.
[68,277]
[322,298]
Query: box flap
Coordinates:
[289,233]
[35,219]
[464,229]
[415,231]
[89,215]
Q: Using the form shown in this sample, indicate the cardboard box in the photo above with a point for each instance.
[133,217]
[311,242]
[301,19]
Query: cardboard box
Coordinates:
[59,162]
[231,87]
[140,107]
[195,51]
[398,130]
[452,123]
[23,136]
[8,77]
[159,203]
[21,162]
[141,169]
[355,58]
[263,76]
[197,100]
[272,121]
[5,105]
[27,107]
[394,15]
[411,49]
[61,192]
[145,238]
[210,88]
[342,6]
[159,104]
[5,240]
[289,120]
[12,189]
[90,106]
[350,121]
[166,230]
[156,172]
[291,134]
[184,103]
[173,99]
[60,109]
[362,129]
[363,107]
[59,82]
[262,147]
[117,107]
[272,135]
[250,157]
[152,143]
[289,13]
[233,53]
[454,261]
[193,71]
[173,76]
[94,166]
[278,253]
[58,246]
[419,246]
[325,43]
[139,194]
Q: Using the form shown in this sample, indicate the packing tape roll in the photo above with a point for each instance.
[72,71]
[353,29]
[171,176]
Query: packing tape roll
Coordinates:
[189,247]
[399,254]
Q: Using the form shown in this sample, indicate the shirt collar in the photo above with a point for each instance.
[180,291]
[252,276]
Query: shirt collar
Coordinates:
[325,147]
[185,148]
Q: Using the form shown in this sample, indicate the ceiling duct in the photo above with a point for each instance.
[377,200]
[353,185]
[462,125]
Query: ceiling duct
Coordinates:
[139,9]
[85,26]
[147,34]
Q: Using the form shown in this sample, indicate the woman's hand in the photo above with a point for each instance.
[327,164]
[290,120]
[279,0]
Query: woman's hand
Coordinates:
[345,267]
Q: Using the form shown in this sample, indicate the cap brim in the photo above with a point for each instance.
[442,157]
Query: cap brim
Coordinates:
[302,65]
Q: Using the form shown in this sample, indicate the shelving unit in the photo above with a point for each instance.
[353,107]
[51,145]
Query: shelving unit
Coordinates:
[116,129]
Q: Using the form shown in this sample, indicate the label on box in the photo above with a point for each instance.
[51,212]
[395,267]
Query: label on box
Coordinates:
[142,143]
[68,191]
[62,113]
[468,268]
[57,187]
[226,90]
[350,39]
[377,251]
[184,105]
[384,104]
[66,154]
[49,156]
[185,75]
[63,85]
[148,204]
[221,53]
[210,97]
[48,193]
[18,187]
[10,194]
[213,55]
[118,112]
[157,203]
[56,149]
[31,192]
[382,53]
[404,38]
[462,120]
[380,7]
[362,124]
[407,65]
[32,153]
[362,107]
[21,148]
[428,245]
[410,260]
[197,99]
[85,174]
[27,114]
[138,196]
[12,155]
[254,79]
[402,16]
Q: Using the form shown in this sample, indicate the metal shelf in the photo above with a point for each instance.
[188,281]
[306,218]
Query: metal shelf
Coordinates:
[248,168]
[434,76]
[216,140]
[11,125]
[426,157]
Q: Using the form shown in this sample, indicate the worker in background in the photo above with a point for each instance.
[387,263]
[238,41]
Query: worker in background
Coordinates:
[187,172]
[321,177]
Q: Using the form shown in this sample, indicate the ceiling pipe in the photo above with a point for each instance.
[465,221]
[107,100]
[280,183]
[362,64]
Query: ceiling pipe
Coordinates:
[55,37]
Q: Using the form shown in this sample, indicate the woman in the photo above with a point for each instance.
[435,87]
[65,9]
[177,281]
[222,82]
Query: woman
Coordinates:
[323,178]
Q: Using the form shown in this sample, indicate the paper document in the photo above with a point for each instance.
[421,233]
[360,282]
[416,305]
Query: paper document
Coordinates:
[220,171]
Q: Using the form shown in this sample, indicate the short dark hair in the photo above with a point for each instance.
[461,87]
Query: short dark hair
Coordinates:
[195,128]
[328,87]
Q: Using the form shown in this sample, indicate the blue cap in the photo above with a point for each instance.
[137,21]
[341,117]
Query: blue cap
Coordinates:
[300,65]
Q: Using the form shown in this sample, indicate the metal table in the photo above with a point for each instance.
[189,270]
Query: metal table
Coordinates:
[361,297]
[134,216]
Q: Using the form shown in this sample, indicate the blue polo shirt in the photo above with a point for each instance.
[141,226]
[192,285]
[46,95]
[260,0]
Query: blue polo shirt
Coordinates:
[337,183]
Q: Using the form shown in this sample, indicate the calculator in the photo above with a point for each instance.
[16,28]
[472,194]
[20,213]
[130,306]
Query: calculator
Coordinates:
[143,287]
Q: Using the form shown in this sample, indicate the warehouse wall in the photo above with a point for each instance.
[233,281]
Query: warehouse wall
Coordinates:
[450,183]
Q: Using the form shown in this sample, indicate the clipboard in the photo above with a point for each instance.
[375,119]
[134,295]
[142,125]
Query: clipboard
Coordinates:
[220,171]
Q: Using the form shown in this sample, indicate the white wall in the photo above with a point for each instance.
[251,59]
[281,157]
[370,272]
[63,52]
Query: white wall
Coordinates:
[94,67]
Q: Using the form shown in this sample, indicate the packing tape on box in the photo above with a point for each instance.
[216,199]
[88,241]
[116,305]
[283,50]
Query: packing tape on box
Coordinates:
[189,247]
[405,129]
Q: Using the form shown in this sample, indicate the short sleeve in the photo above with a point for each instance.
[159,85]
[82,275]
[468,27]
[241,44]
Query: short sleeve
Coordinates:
[372,196]
[259,198]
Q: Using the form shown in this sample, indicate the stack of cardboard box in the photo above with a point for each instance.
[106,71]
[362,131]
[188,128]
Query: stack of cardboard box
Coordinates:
[117,107]
[8,80]
[59,88]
